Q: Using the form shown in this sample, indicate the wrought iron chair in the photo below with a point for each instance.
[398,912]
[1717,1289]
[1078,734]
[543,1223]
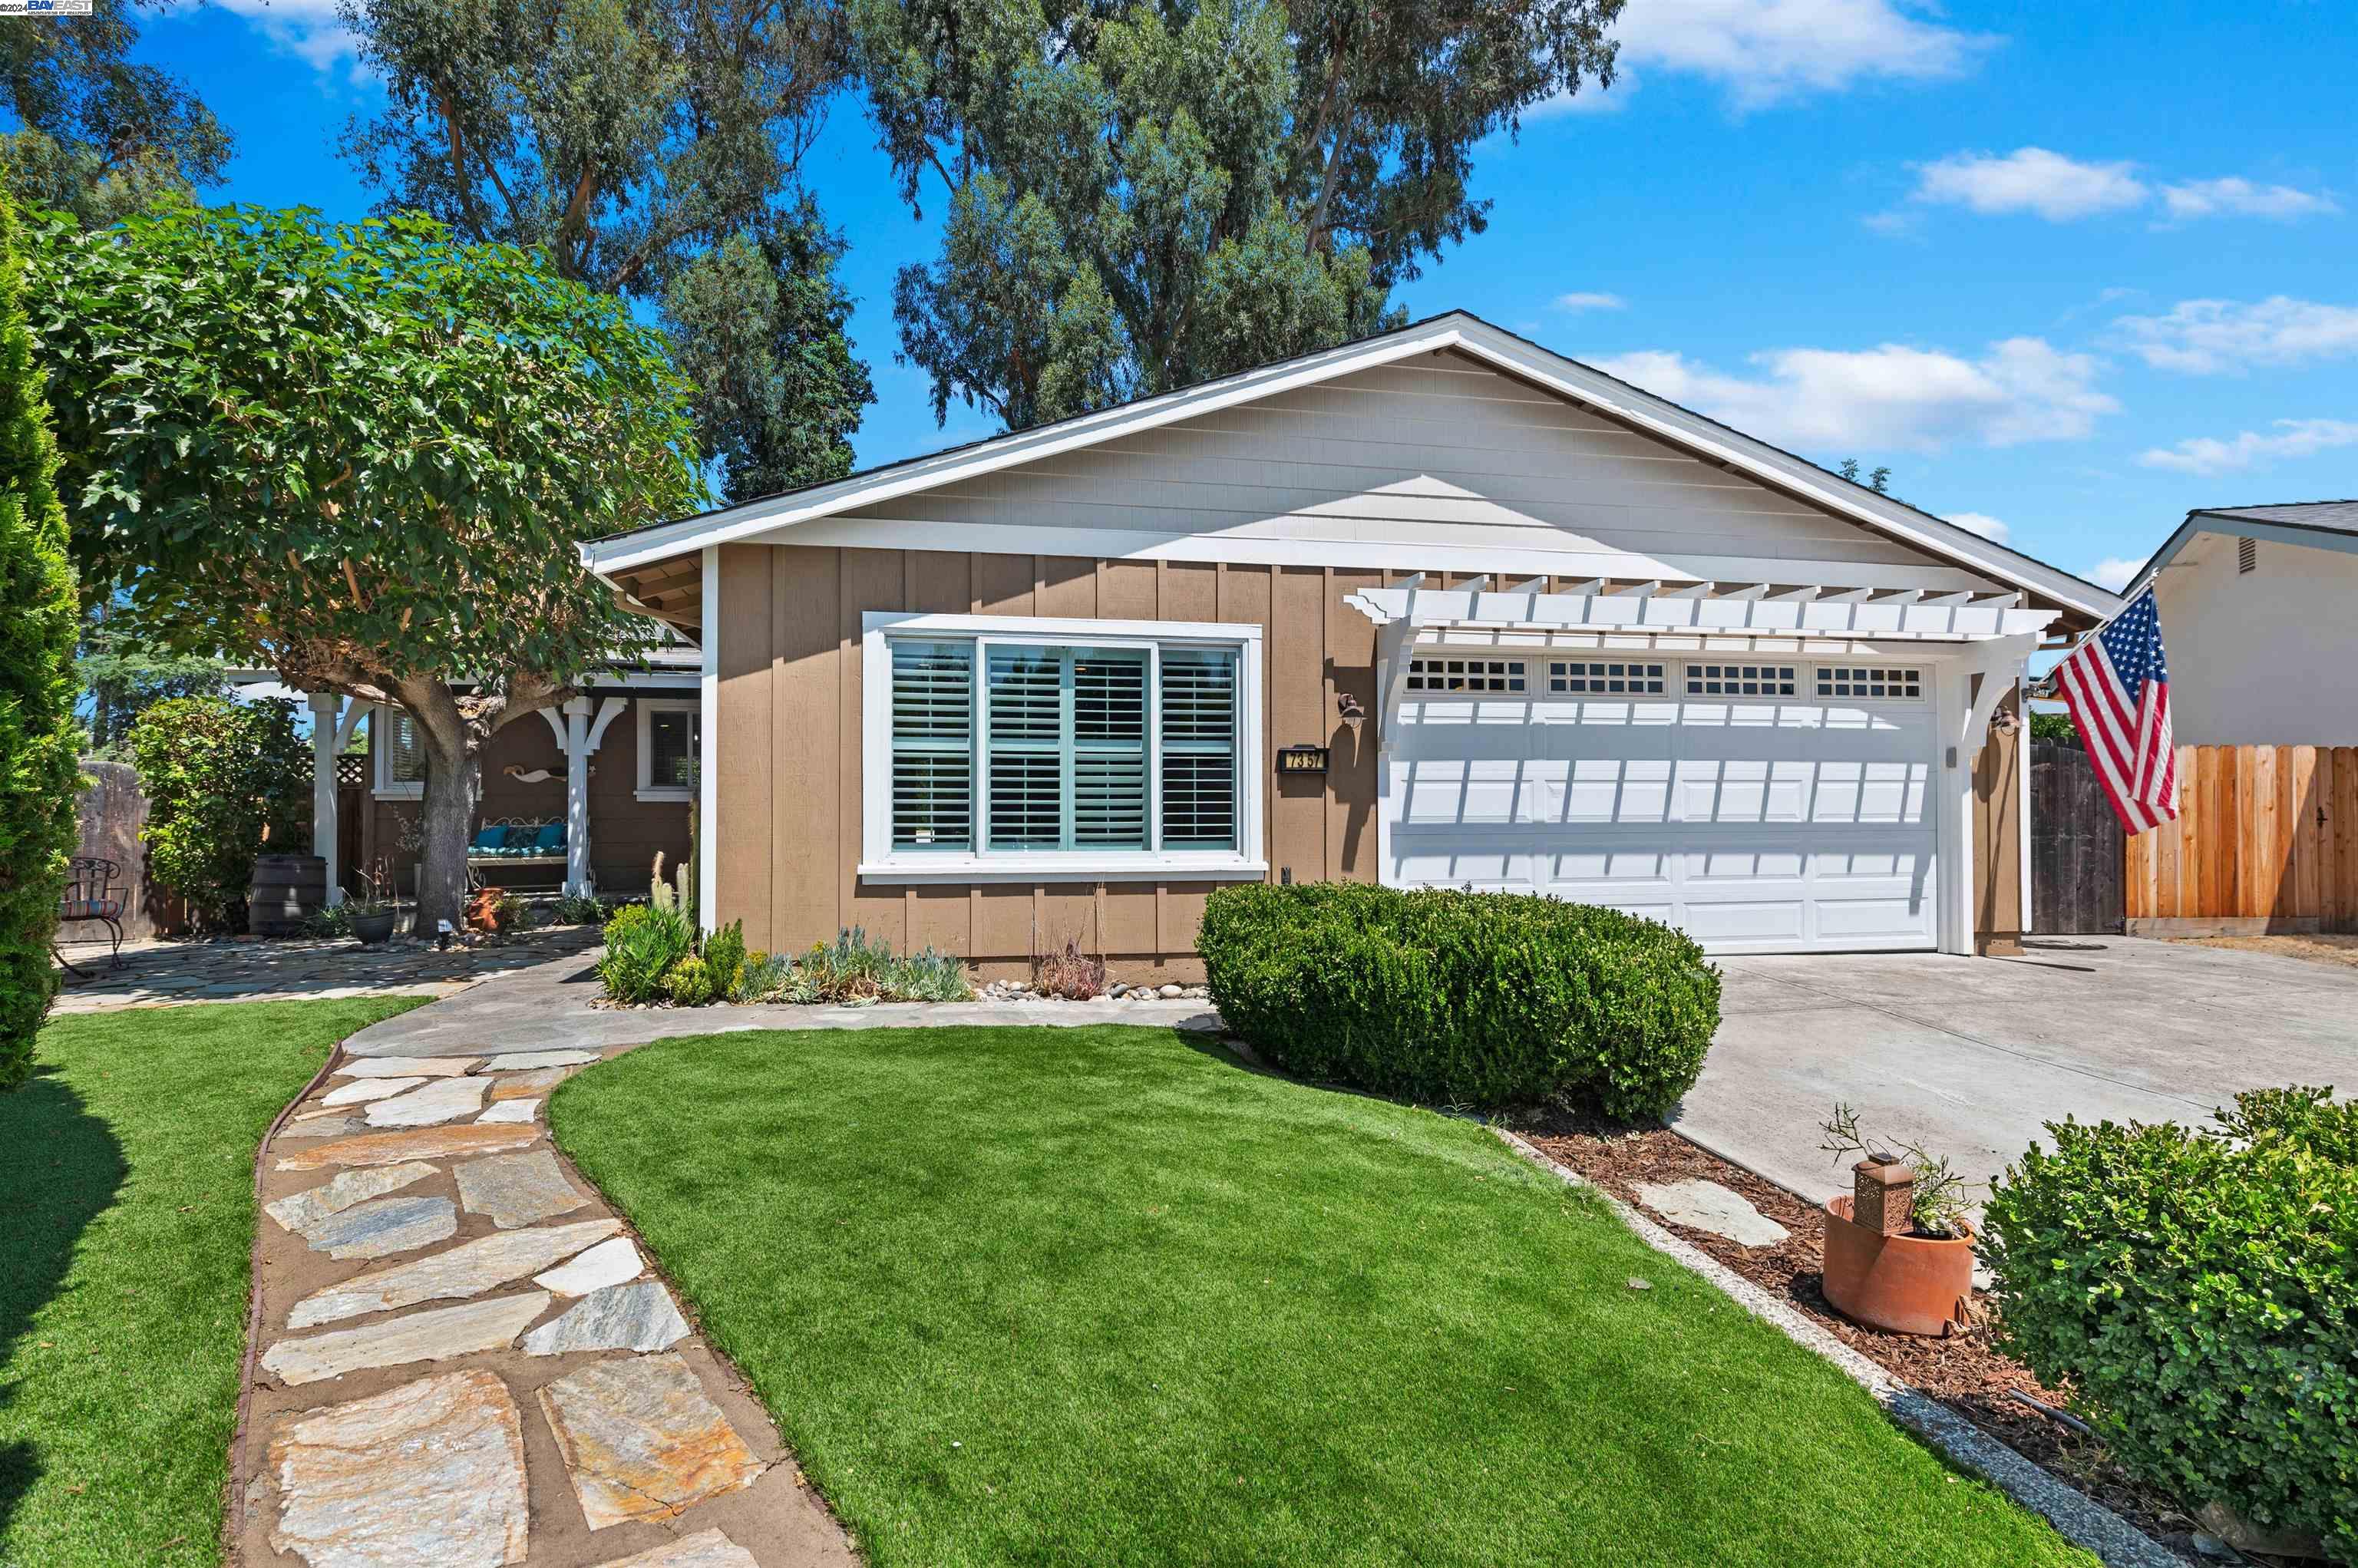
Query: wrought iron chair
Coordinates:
[92,893]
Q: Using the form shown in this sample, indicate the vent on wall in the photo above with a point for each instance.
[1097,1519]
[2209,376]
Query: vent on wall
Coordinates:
[2248,555]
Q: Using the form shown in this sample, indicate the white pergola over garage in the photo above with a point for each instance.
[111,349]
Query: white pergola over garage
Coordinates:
[1771,769]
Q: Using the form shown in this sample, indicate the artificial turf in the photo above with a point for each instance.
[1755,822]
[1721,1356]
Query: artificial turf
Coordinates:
[1105,1295]
[127,1212]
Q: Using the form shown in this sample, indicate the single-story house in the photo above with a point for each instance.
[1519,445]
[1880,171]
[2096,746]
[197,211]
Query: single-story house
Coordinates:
[1437,608]
[2249,596]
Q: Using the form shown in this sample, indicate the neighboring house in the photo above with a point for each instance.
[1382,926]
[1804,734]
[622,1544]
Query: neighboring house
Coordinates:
[1540,631]
[2259,618]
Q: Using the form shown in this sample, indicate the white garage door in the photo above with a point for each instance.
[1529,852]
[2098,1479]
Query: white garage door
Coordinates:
[1761,807]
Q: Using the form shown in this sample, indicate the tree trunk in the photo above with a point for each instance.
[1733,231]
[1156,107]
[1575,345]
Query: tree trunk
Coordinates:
[454,787]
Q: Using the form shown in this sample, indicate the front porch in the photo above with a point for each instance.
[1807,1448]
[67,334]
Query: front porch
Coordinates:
[577,800]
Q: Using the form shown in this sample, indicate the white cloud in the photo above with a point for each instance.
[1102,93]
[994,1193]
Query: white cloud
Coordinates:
[2250,449]
[2240,198]
[2030,180]
[310,29]
[2210,336]
[1888,397]
[2113,572]
[1767,51]
[1982,523]
[1590,302]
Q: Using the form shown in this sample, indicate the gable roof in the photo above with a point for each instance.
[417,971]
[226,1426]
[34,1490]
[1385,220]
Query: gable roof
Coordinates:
[2320,525]
[1456,330]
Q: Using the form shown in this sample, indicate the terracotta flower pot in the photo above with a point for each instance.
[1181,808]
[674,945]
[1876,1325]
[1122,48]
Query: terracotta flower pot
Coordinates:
[1908,1284]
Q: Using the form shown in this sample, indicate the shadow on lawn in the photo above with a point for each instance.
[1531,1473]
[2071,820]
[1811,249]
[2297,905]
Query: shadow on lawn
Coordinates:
[68,1169]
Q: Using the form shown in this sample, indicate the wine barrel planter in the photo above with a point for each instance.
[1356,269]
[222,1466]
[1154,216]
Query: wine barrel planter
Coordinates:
[288,890]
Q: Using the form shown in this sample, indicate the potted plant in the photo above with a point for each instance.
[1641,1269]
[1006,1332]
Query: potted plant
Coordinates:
[1899,1248]
[372,913]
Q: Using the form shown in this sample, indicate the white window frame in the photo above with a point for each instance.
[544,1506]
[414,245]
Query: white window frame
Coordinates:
[385,786]
[1823,675]
[879,862]
[648,707]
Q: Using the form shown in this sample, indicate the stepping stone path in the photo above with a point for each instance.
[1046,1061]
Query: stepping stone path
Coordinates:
[465,1363]
[1706,1206]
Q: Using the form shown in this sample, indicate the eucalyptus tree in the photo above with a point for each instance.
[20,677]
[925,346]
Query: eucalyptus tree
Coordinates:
[359,454]
[654,151]
[1141,196]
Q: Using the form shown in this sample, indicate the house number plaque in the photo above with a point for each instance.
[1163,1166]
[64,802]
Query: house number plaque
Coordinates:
[1302,759]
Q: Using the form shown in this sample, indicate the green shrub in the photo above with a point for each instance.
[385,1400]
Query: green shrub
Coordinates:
[1479,999]
[641,944]
[222,778]
[766,974]
[690,983]
[37,738]
[724,955]
[577,909]
[2199,1293]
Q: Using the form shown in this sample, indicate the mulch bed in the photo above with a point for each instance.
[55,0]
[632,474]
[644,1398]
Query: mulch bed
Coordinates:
[1966,1372]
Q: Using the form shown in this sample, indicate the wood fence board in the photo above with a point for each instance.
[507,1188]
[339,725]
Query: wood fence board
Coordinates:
[2259,829]
[2345,849]
[2300,799]
[2165,839]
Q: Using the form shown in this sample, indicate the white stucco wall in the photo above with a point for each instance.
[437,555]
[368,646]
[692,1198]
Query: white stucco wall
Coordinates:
[2268,658]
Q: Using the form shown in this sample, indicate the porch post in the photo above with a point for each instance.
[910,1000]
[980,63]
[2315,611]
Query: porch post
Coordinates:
[324,737]
[576,797]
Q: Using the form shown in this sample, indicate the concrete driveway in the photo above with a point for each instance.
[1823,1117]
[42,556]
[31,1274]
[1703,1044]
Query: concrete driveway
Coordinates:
[1970,1057]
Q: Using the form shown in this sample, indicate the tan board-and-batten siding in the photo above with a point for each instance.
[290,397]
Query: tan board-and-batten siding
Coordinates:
[787,750]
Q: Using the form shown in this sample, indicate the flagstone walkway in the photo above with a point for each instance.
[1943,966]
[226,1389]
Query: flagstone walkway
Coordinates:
[466,1360]
[248,968]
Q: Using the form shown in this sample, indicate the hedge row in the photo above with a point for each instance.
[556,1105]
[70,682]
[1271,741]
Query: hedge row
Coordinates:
[1460,998]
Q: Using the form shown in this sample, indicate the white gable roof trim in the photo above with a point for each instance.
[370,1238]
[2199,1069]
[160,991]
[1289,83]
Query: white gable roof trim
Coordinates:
[2314,525]
[1457,330]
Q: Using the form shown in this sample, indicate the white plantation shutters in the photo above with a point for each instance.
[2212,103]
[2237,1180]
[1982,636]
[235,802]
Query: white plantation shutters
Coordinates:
[1015,748]
[1200,749]
[933,745]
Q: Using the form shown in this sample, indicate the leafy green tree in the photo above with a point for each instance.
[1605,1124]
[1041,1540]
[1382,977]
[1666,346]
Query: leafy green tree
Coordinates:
[37,634]
[123,672]
[223,779]
[1142,197]
[359,454]
[98,136]
[654,152]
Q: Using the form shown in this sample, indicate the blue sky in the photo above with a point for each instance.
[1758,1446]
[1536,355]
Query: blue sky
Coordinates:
[2069,270]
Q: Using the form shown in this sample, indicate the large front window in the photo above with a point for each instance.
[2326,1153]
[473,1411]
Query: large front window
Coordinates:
[1061,748]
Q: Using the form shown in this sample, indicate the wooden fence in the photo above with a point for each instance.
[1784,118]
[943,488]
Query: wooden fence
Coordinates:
[2265,839]
[2076,846]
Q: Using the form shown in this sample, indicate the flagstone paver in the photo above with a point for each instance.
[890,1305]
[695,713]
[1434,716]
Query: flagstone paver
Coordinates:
[527,1061]
[433,1456]
[609,1262]
[417,1067]
[431,1472]
[166,971]
[425,1143]
[705,1548]
[531,1082]
[436,1334]
[360,1090]
[443,1099]
[620,1317]
[1707,1206]
[517,1189]
[382,1226]
[309,1207]
[467,1269]
[642,1440]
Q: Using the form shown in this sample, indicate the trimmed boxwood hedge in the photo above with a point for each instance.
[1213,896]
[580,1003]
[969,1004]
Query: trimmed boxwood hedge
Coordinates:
[2198,1292]
[1462,998]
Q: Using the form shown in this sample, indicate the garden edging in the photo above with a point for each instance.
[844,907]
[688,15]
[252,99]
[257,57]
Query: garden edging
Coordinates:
[2077,1517]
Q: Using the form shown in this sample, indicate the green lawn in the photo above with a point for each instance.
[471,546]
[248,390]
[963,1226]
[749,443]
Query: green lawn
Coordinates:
[127,1210]
[1102,1295]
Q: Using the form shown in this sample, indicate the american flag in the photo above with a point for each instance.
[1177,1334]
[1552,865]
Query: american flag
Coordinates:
[2116,685]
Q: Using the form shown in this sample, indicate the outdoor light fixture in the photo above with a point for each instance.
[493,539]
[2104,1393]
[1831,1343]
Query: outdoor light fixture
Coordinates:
[1353,714]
